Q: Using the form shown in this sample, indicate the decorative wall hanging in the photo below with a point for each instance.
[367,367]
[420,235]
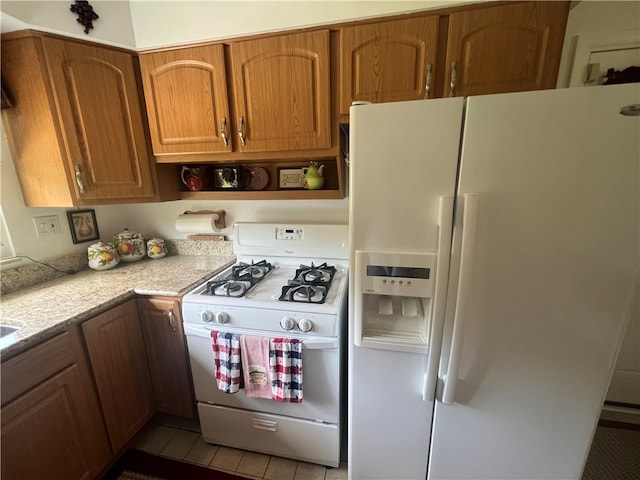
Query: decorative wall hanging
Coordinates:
[86,15]
[84,227]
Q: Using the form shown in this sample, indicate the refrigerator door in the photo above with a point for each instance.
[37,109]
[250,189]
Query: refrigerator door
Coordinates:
[552,181]
[403,168]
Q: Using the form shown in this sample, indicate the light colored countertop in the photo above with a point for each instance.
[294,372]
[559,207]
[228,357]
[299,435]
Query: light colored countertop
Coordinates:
[45,309]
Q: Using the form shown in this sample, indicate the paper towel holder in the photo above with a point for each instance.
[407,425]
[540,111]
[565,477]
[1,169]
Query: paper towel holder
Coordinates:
[218,222]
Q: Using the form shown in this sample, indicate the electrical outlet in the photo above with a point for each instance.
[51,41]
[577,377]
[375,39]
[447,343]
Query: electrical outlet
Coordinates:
[47,225]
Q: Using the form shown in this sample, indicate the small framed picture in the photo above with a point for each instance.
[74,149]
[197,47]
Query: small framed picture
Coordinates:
[291,177]
[83,225]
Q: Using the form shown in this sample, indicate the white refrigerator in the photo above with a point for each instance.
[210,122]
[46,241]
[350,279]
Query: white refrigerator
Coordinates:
[494,260]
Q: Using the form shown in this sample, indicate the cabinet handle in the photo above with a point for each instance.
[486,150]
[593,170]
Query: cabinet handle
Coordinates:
[171,316]
[241,132]
[79,179]
[223,131]
[427,87]
[453,79]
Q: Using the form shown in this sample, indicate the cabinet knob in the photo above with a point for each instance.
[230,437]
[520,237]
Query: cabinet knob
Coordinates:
[452,85]
[223,131]
[172,322]
[243,140]
[427,82]
[79,180]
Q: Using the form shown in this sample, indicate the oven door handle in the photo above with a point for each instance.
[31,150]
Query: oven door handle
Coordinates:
[310,344]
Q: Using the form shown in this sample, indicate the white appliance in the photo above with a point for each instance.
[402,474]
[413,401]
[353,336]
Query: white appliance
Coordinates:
[254,297]
[494,261]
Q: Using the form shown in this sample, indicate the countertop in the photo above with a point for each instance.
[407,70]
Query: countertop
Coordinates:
[45,309]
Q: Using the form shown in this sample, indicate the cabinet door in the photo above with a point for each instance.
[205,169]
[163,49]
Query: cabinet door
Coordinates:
[508,48]
[118,358]
[161,323]
[282,92]
[388,61]
[51,427]
[186,97]
[101,114]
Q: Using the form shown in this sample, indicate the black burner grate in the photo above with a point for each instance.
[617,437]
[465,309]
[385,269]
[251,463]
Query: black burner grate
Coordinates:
[309,285]
[240,280]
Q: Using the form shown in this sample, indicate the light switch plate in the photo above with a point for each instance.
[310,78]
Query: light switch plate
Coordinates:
[46,225]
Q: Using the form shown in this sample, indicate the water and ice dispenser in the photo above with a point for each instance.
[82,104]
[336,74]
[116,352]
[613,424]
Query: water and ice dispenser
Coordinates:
[393,299]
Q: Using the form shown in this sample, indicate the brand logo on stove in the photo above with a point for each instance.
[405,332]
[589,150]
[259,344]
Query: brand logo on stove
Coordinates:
[289,252]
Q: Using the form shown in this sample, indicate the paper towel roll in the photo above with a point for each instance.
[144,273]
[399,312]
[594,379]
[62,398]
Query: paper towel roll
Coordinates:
[197,223]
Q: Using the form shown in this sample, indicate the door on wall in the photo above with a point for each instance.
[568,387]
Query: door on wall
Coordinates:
[621,65]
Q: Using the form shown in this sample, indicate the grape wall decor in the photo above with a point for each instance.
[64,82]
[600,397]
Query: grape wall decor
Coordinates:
[86,15]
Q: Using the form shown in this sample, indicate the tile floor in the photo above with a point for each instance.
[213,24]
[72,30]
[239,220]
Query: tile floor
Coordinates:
[181,440]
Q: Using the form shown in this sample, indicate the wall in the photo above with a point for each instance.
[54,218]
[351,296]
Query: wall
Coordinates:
[144,24]
[595,25]
[154,23]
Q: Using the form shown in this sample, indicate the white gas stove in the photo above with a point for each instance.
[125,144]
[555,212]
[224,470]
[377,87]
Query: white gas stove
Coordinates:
[288,278]
[290,281]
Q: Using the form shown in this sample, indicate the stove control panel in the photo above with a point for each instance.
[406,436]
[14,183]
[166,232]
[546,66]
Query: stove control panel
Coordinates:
[242,319]
[220,318]
[289,233]
[304,324]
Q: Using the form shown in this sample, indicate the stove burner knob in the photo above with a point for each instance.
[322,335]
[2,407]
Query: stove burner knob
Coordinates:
[287,323]
[305,325]
[206,316]
[222,317]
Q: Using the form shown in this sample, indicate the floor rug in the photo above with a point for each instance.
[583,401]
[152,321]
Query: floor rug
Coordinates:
[138,465]
[615,453]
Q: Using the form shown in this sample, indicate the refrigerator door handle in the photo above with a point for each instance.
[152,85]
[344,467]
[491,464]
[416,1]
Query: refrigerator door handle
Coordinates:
[445,228]
[467,253]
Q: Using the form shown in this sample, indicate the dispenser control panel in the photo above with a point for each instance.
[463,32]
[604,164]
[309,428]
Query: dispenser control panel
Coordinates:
[396,273]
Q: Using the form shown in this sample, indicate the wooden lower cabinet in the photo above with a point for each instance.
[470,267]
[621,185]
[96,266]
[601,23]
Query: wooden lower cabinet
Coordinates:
[161,323]
[51,421]
[119,362]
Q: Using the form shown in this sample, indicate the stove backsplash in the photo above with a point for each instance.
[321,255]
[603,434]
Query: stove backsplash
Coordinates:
[25,276]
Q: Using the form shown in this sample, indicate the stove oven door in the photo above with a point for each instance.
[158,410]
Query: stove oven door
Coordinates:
[308,431]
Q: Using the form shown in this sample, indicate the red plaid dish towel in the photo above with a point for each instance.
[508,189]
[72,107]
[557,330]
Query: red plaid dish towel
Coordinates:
[226,356]
[285,362]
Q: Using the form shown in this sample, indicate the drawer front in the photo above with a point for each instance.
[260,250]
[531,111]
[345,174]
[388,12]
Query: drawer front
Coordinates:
[30,368]
[304,440]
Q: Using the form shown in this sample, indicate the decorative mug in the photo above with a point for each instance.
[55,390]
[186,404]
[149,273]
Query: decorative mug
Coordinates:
[156,248]
[194,177]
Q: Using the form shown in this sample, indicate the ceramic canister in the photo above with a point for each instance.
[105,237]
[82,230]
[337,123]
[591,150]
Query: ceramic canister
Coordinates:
[130,246]
[103,256]
[156,248]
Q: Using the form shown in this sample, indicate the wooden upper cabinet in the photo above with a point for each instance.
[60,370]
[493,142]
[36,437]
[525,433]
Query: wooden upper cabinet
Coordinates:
[101,111]
[281,91]
[388,61]
[186,97]
[507,48]
[76,125]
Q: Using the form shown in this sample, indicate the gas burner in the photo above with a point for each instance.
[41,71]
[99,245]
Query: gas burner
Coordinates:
[313,275]
[228,288]
[253,270]
[303,292]
[239,280]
